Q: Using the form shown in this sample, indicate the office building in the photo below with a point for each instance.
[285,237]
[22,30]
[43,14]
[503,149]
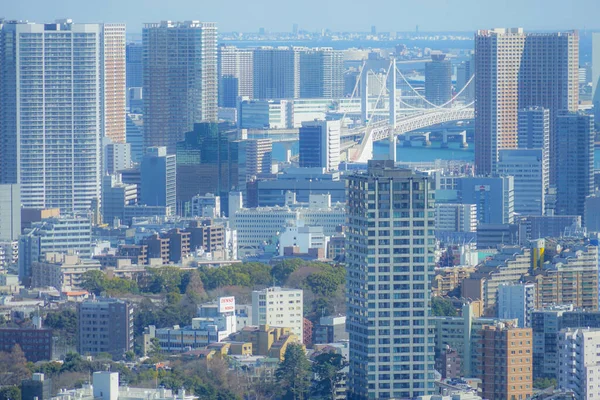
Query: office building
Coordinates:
[596,74]
[64,234]
[10,212]
[116,195]
[207,162]
[134,55]
[464,72]
[208,206]
[574,163]
[38,387]
[592,213]
[530,178]
[180,79]
[493,196]
[279,307]
[321,73]
[134,133]
[451,217]
[516,70]
[330,329]
[255,158]
[117,156]
[555,226]
[438,79]
[36,343]
[302,182]
[257,226]
[319,145]
[57,160]
[546,325]
[159,178]
[505,354]
[533,132]
[236,75]
[516,301]
[389,256]
[579,362]
[490,236]
[105,326]
[264,114]
[276,73]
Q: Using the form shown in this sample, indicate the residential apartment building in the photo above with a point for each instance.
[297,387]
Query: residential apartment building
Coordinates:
[516,301]
[451,217]
[51,139]
[68,235]
[105,326]
[236,75]
[279,307]
[180,79]
[516,70]
[579,362]
[389,261]
[505,354]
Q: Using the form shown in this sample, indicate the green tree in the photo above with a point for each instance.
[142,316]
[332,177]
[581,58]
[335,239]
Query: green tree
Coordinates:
[327,368]
[10,393]
[442,307]
[544,383]
[293,372]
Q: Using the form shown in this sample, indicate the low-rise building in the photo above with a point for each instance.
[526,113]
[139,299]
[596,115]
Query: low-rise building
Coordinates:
[36,343]
[265,340]
[330,329]
[281,307]
[61,271]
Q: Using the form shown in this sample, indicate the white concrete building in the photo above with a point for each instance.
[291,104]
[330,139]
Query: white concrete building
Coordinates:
[516,301]
[579,362]
[454,217]
[10,212]
[303,237]
[208,205]
[60,108]
[530,178]
[105,386]
[256,226]
[281,307]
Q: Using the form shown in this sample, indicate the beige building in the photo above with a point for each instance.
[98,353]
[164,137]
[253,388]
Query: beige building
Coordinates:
[114,82]
[506,357]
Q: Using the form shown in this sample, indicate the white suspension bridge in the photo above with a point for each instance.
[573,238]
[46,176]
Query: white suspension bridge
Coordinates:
[372,124]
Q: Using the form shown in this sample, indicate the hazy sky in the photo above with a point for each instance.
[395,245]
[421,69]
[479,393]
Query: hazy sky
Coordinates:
[338,15]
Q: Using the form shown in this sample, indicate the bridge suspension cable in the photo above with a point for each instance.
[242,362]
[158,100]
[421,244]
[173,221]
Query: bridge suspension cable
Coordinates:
[427,101]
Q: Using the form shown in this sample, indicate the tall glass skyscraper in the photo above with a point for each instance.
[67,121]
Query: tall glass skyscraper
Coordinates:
[180,79]
[390,262]
[438,79]
[62,87]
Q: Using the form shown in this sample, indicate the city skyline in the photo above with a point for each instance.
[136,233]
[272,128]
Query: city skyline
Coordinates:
[431,15]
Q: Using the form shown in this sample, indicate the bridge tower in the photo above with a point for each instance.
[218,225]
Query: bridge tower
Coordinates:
[392,106]
[364,93]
